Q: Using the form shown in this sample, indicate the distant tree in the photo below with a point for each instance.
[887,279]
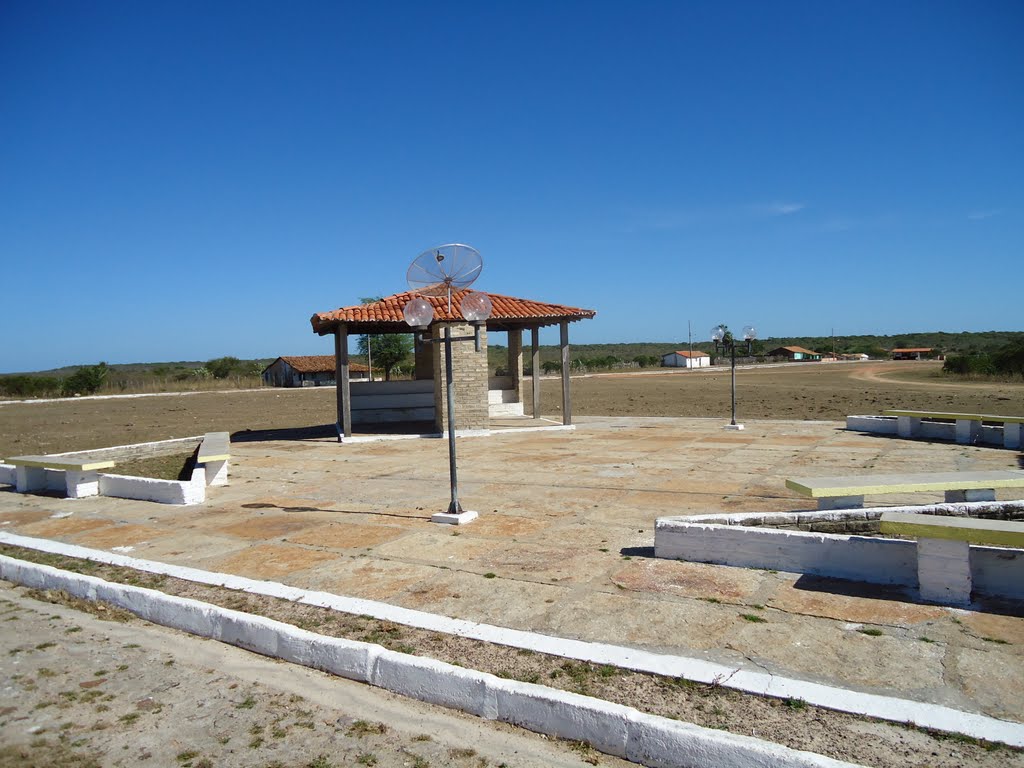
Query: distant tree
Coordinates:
[222,367]
[551,366]
[85,381]
[387,351]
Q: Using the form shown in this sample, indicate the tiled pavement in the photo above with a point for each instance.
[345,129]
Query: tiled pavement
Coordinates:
[567,528]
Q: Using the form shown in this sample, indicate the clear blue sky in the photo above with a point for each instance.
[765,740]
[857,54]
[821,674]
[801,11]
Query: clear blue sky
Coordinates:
[185,180]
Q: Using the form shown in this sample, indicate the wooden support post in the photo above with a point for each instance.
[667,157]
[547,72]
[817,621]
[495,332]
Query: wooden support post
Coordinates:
[341,381]
[535,366]
[566,397]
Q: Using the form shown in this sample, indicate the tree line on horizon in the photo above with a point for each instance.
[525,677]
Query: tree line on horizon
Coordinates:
[969,353]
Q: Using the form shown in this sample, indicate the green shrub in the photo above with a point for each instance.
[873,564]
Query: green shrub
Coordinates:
[85,381]
[29,386]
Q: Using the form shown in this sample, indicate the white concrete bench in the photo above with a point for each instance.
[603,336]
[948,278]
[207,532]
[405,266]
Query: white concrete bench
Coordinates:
[968,425]
[943,549]
[213,455]
[848,492]
[81,476]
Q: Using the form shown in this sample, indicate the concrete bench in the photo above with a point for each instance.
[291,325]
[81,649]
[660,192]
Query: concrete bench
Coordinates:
[943,549]
[968,425]
[849,492]
[81,476]
[213,455]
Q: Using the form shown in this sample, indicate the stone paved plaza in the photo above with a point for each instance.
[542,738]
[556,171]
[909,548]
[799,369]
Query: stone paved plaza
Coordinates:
[567,529]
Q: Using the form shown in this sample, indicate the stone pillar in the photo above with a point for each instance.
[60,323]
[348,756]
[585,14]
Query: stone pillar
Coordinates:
[515,361]
[968,431]
[535,358]
[944,571]
[1012,435]
[908,426]
[566,362]
[470,369]
[341,381]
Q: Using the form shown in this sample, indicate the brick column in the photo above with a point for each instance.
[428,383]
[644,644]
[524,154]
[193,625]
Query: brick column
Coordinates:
[470,373]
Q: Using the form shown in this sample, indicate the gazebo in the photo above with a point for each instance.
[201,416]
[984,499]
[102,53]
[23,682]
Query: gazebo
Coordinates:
[479,395]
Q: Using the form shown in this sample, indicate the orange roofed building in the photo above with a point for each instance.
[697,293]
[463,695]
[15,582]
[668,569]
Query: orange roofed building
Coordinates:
[307,371]
[479,397]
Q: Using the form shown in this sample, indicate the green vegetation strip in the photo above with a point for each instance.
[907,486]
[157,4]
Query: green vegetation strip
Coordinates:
[711,706]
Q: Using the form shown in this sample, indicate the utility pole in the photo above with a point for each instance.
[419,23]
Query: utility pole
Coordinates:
[689,336]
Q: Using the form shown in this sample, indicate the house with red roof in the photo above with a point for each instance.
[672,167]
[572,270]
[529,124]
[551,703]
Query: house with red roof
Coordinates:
[307,371]
[686,359]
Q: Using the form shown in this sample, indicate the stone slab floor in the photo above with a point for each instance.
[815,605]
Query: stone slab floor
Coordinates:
[567,529]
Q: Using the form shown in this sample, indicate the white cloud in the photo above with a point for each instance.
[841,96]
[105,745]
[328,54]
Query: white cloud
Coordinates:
[979,215]
[781,209]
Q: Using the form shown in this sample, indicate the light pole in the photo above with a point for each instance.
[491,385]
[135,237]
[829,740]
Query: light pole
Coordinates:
[724,340]
[476,308]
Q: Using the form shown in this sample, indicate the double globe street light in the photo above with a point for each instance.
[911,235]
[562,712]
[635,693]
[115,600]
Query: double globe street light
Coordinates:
[724,340]
[418,313]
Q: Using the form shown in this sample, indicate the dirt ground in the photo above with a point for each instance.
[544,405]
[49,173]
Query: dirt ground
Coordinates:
[87,686]
[795,391]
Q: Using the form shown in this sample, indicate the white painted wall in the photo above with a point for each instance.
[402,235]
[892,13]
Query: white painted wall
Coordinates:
[150,489]
[725,540]
[933,430]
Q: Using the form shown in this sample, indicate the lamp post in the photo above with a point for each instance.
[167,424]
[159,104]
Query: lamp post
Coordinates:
[724,340]
[476,308]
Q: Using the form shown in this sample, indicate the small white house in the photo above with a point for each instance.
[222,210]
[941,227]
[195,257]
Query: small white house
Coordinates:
[686,359]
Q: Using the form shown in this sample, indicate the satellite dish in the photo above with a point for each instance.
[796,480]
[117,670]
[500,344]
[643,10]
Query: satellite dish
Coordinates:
[444,269]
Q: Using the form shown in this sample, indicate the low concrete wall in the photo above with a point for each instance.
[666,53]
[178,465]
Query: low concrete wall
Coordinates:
[766,541]
[150,489]
[611,728]
[929,430]
[138,450]
[8,473]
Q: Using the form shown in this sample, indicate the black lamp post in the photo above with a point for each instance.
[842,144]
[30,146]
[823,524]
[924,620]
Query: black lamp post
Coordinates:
[724,340]
[476,308]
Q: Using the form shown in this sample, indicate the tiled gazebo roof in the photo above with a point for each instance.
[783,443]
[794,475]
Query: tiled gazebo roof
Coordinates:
[385,316]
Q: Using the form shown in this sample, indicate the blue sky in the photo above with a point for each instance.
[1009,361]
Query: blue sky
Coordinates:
[181,181]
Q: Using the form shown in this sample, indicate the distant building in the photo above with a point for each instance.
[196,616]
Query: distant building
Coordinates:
[795,353]
[307,371]
[686,359]
[912,353]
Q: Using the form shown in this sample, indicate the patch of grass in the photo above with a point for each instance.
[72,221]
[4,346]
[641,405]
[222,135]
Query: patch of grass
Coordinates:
[130,718]
[713,600]
[361,728]
[795,704]
[44,646]
[367,758]
[490,575]
[924,639]
[871,631]
[460,754]
[248,703]
[420,762]
[184,757]
[46,672]
[753,618]
[320,761]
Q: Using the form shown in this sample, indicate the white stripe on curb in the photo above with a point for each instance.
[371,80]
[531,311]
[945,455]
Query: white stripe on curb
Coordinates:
[611,728]
[890,708]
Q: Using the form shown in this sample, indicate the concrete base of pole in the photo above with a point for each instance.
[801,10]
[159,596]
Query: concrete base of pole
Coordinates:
[733,426]
[466,516]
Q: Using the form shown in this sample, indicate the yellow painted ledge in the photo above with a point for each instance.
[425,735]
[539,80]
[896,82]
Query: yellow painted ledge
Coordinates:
[997,533]
[46,462]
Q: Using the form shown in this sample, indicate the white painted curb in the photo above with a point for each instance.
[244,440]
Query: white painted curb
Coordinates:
[611,728]
[890,708]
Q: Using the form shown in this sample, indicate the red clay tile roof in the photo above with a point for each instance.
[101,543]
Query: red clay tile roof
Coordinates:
[316,364]
[386,314]
[688,353]
[797,349]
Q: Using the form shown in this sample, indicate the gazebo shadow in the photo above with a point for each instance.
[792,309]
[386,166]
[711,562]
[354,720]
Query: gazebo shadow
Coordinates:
[321,432]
